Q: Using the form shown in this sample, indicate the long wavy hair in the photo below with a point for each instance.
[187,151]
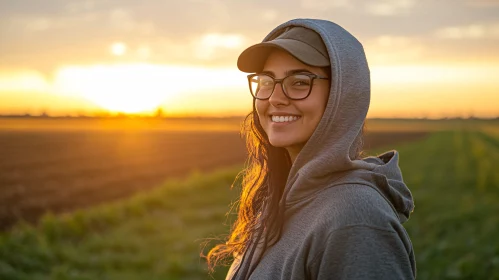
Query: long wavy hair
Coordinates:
[263,180]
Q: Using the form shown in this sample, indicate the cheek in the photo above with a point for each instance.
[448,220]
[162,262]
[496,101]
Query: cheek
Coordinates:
[260,109]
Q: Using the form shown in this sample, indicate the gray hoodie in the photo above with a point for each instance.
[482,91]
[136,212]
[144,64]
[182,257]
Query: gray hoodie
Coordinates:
[343,217]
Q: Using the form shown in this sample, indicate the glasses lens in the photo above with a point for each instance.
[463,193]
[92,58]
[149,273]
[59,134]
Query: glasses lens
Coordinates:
[297,86]
[261,86]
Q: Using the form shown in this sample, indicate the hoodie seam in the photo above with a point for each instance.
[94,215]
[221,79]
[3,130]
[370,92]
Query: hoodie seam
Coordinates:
[386,199]
[382,195]
[312,195]
[337,65]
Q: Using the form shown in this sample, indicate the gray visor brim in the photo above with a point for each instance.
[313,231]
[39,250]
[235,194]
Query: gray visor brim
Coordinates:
[253,58]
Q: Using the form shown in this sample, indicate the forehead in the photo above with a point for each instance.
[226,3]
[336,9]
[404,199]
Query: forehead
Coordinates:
[280,61]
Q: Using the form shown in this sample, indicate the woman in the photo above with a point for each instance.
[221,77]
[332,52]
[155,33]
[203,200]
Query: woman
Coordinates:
[311,207]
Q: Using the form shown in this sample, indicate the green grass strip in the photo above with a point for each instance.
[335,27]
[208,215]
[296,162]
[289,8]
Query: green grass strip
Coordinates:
[154,235]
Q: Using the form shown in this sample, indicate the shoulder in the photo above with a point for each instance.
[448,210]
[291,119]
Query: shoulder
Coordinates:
[353,205]
[363,252]
[355,234]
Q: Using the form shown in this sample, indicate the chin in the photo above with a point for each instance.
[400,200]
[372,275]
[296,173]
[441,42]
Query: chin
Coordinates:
[280,143]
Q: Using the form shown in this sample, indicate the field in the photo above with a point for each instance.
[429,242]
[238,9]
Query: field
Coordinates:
[61,165]
[61,171]
[157,232]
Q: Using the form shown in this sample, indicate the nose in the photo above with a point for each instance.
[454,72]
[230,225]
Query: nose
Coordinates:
[278,97]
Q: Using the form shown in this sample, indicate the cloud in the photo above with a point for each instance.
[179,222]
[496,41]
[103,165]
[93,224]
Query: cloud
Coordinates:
[39,24]
[214,32]
[209,44]
[472,31]
[212,48]
[220,11]
[269,15]
[322,5]
[388,49]
[115,19]
[123,20]
[42,23]
[389,7]
[76,7]
[483,3]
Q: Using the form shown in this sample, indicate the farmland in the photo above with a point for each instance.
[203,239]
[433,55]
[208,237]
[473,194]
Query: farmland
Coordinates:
[156,231]
[61,165]
[61,171]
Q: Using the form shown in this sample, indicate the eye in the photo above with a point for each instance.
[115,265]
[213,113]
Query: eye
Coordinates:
[301,83]
[299,80]
[265,82]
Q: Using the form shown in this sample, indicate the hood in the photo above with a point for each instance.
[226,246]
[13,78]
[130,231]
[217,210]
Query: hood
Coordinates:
[386,178]
[328,158]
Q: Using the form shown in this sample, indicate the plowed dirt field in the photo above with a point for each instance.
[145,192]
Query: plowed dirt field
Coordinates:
[60,170]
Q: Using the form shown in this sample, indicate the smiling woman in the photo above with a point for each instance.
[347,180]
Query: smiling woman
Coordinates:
[311,205]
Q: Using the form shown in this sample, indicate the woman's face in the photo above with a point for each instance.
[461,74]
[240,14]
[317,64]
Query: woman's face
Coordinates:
[293,134]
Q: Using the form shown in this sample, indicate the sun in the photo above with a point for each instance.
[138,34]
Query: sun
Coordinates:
[120,88]
[142,88]
[118,49]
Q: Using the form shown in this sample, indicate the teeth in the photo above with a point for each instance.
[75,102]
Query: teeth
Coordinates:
[284,118]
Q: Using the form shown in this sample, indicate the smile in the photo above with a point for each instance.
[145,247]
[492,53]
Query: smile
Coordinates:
[282,119]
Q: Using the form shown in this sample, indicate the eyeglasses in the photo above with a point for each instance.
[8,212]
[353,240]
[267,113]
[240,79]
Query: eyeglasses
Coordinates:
[296,86]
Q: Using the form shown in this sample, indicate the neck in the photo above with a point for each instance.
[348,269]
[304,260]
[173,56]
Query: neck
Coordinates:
[294,150]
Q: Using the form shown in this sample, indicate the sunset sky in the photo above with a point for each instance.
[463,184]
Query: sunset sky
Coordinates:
[427,58]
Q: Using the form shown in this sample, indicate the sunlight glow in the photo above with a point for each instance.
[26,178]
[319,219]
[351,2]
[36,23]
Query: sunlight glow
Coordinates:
[397,90]
[23,81]
[135,88]
[434,74]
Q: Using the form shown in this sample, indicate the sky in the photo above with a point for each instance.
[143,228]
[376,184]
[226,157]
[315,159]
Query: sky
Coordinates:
[427,58]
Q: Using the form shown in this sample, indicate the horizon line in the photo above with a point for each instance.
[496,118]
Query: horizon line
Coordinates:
[132,116]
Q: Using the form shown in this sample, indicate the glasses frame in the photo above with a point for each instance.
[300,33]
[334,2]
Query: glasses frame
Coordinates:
[280,81]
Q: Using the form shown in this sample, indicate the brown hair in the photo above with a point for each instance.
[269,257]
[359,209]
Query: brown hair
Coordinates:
[264,178]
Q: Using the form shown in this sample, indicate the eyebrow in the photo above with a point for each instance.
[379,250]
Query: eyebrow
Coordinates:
[287,73]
